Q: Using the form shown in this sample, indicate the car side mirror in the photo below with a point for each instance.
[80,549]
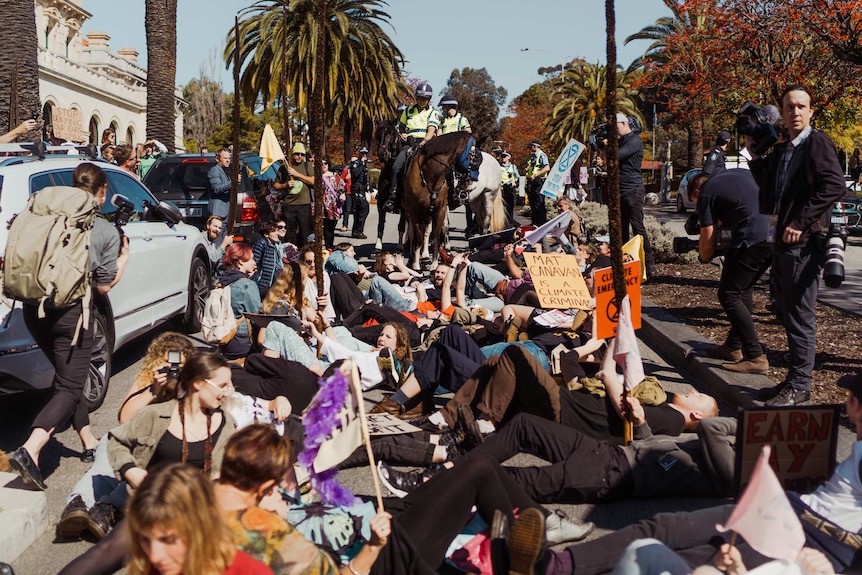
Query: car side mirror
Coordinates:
[170,212]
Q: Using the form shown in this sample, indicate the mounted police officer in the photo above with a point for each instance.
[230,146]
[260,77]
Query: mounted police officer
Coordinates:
[453,120]
[417,125]
[715,158]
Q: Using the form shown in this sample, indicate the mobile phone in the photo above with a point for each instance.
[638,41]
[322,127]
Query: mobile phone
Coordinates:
[35,115]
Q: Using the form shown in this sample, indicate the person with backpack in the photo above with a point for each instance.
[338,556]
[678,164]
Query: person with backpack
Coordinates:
[239,265]
[61,320]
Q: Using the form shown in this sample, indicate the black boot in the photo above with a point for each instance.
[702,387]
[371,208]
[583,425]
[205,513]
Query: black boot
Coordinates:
[393,203]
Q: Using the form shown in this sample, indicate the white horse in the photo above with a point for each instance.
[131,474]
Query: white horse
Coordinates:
[485,198]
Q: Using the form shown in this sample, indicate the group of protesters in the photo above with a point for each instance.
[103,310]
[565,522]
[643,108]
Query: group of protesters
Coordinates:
[201,475]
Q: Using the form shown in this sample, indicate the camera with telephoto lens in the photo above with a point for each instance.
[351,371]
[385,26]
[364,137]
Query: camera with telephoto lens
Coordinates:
[683,245]
[172,370]
[836,241]
[759,123]
[123,214]
[600,133]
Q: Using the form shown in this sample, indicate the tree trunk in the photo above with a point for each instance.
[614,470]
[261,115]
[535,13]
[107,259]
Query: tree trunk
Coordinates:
[348,139]
[317,139]
[19,58]
[161,30]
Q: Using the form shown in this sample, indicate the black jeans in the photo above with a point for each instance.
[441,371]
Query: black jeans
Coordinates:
[582,469]
[632,215]
[508,192]
[451,361]
[360,211]
[743,267]
[797,273]
[538,211]
[344,294]
[382,315]
[53,334]
[299,223]
[329,233]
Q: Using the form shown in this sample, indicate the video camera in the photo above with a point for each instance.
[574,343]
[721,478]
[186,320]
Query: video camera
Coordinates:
[759,123]
[683,245]
[125,209]
[600,133]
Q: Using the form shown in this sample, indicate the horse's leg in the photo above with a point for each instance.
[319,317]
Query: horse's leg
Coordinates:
[381,225]
[425,239]
[402,231]
[416,231]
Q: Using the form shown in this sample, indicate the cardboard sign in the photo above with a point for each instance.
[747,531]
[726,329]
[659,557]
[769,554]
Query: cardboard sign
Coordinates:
[555,183]
[558,281]
[67,124]
[607,315]
[386,424]
[803,439]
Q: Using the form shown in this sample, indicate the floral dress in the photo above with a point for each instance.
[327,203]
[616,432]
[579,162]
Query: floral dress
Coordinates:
[334,187]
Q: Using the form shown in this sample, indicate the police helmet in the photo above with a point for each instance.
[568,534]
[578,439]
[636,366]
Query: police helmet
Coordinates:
[449,100]
[424,91]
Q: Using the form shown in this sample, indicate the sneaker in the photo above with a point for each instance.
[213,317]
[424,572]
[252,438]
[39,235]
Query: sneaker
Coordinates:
[74,520]
[21,462]
[558,528]
[88,455]
[789,397]
[767,393]
[102,518]
[359,236]
[400,483]
[386,363]
[525,541]
[724,352]
[759,365]
[467,425]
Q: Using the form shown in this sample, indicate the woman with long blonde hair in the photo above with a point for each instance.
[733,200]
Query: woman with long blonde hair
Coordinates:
[288,291]
[176,527]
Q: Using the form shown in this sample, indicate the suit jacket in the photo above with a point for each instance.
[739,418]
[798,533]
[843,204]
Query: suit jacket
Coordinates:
[813,184]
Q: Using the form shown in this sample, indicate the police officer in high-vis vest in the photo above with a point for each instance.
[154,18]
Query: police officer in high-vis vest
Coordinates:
[418,124]
[510,182]
[453,120]
[537,169]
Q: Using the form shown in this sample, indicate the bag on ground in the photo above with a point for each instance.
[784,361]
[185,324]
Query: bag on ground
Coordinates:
[218,324]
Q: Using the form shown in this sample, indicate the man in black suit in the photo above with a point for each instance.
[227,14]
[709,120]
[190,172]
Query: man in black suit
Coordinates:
[799,182]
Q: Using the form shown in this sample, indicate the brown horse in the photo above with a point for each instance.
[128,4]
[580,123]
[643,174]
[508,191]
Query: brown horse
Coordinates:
[426,192]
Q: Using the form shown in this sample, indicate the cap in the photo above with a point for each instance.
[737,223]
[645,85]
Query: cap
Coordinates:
[363,150]
[536,143]
[852,383]
[496,150]
[722,138]
[506,155]
[298,148]
[622,117]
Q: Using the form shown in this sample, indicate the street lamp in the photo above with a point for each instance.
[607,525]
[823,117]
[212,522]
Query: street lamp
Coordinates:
[562,66]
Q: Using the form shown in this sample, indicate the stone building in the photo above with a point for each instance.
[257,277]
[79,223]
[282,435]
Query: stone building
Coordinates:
[109,89]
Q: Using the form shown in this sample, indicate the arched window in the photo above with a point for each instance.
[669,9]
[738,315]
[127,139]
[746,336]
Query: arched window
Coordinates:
[94,130]
[130,136]
[47,114]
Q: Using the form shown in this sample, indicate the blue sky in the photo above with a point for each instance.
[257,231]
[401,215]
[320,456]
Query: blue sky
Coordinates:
[435,37]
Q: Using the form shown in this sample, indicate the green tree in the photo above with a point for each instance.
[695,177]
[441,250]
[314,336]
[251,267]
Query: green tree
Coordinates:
[278,41]
[582,90]
[527,114]
[19,64]
[251,127]
[479,99]
[205,111]
[161,29]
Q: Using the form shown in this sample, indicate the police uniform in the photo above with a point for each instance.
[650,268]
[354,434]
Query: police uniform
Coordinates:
[538,212]
[456,123]
[510,181]
[415,123]
[714,161]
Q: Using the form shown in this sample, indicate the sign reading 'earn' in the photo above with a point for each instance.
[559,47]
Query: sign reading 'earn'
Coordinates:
[558,281]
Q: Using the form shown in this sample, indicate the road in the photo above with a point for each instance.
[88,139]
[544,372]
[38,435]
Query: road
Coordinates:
[62,468]
[847,297]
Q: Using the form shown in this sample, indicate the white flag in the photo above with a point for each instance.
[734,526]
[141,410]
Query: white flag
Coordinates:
[556,227]
[626,352]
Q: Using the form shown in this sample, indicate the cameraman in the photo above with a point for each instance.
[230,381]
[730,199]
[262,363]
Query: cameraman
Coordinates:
[728,200]
[799,183]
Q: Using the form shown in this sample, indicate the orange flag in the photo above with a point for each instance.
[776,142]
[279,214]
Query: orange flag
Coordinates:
[764,516]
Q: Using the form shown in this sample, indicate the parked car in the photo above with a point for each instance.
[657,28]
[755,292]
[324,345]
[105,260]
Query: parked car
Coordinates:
[682,202]
[182,180]
[160,245]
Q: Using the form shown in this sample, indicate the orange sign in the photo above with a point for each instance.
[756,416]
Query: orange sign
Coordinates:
[607,315]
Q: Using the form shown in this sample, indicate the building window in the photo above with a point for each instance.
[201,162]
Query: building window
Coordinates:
[94,130]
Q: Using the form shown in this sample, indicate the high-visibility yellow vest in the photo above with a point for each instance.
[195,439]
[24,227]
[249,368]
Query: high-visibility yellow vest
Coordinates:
[537,161]
[510,173]
[456,123]
[415,122]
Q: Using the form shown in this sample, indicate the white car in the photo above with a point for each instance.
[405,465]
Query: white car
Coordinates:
[682,202]
[167,275]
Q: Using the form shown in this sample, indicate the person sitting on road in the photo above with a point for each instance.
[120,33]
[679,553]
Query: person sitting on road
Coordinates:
[215,250]
[267,257]
[239,266]
[393,268]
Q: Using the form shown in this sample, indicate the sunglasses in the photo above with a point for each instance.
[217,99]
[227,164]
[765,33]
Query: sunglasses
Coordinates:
[281,227]
[308,262]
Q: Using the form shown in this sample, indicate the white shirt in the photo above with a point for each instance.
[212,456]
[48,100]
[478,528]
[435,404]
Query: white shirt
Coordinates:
[840,498]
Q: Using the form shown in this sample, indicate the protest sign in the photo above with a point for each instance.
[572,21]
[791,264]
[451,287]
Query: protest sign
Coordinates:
[385,424]
[558,281]
[803,440]
[607,314]
[67,124]
[555,183]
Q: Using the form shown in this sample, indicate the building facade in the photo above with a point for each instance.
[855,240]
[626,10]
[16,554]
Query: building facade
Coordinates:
[108,89]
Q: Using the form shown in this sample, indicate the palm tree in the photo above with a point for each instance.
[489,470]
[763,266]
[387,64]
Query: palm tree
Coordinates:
[19,65]
[161,30]
[583,91]
[278,41]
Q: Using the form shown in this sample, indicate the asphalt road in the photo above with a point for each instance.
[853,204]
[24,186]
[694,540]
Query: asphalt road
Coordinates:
[62,468]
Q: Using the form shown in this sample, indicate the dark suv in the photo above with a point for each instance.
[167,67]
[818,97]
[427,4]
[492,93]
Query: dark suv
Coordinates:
[182,180]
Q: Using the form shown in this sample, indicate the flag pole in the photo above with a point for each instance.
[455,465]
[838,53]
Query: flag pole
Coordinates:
[366,439]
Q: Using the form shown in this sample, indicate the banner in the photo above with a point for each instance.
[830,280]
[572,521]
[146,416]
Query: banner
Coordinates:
[558,281]
[555,183]
[607,314]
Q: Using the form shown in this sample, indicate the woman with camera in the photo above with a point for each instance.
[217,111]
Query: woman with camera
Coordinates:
[67,342]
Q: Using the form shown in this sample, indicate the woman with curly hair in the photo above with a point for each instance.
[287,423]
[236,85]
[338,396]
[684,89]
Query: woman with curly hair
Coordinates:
[287,294]
[176,528]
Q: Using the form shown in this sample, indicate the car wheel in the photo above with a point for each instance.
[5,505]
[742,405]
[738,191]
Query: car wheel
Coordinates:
[99,374]
[680,206]
[199,289]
